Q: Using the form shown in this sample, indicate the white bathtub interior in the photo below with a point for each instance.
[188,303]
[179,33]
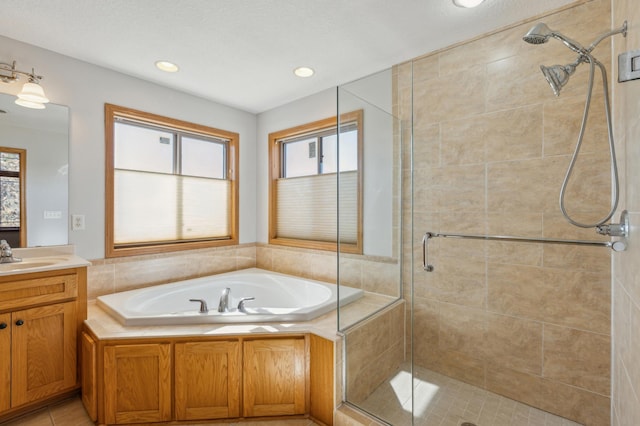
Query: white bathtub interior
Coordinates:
[277,297]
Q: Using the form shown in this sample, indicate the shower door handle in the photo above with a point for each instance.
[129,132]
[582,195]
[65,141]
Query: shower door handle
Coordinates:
[425,263]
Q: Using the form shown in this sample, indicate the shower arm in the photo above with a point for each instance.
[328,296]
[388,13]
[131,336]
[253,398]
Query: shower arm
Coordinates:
[622,30]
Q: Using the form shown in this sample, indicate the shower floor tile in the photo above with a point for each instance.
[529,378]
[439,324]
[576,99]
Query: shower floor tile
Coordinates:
[443,401]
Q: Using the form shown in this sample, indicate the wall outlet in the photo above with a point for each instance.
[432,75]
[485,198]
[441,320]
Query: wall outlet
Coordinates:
[77,222]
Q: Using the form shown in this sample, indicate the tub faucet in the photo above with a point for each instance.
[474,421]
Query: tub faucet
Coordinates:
[6,254]
[223,306]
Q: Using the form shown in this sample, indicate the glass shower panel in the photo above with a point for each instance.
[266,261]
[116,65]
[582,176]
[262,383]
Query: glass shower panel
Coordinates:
[369,200]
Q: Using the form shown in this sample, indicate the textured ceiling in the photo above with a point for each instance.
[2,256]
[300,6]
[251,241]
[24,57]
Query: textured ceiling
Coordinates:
[242,52]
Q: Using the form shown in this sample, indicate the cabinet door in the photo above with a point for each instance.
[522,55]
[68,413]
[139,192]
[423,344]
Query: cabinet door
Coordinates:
[137,383]
[5,362]
[43,352]
[88,374]
[274,377]
[207,380]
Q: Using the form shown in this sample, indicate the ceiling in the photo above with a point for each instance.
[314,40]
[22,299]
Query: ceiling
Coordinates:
[242,53]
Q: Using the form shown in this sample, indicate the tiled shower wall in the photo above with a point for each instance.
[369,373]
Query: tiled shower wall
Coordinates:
[626,282]
[491,144]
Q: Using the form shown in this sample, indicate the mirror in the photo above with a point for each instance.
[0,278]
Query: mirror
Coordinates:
[43,138]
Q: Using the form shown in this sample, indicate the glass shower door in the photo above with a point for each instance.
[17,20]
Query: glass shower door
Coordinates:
[377,372]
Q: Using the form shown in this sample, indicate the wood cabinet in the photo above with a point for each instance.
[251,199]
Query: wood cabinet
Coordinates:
[274,377]
[207,380]
[202,378]
[40,315]
[43,352]
[137,383]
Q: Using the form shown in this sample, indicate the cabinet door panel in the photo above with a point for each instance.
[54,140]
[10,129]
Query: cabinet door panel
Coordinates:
[274,377]
[137,383]
[43,352]
[5,362]
[89,377]
[207,380]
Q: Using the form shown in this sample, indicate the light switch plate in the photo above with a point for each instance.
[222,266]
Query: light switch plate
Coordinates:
[629,66]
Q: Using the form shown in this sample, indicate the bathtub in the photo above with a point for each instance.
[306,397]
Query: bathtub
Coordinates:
[278,298]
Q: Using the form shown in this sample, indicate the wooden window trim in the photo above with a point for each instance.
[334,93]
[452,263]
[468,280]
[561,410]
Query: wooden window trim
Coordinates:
[113,111]
[22,178]
[275,170]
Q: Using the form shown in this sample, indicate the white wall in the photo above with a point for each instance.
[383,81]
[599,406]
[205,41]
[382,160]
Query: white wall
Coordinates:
[378,152]
[85,88]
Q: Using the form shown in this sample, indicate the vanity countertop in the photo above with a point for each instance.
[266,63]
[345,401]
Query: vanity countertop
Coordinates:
[40,259]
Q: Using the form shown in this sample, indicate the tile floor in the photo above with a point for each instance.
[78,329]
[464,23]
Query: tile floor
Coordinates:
[443,401]
[72,413]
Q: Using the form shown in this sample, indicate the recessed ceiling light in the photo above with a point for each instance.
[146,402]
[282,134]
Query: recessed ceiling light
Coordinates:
[467,3]
[166,66]
[303,72]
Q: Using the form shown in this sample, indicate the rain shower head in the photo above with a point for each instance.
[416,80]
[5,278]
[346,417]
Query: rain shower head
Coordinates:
[558,75]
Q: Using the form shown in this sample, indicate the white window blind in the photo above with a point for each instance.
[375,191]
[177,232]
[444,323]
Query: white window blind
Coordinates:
[155,207]
[306,207]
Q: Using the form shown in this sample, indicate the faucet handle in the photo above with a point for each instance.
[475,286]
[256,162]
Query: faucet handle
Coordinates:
[203,305]
[241,307]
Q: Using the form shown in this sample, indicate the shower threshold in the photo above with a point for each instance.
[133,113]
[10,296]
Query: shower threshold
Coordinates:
[441,400]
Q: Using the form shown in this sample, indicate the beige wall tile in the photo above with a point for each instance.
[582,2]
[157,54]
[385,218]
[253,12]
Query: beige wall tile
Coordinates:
[425,68]
[525,185]
[578,299]
[562,120]
[577,358]
[516,290]
[574,403]
[460,366]
[436,99]
[462,330]
[591,259]
[453,281]
[632,363]
[514,343]
[458,188]
[100,279]
[520,386]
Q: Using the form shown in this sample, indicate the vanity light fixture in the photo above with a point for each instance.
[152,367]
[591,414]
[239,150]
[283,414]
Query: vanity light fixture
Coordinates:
[32,95]
[167,66]
[303,72]
[467,3]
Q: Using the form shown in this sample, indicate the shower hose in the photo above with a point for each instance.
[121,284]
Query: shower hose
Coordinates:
[614,166]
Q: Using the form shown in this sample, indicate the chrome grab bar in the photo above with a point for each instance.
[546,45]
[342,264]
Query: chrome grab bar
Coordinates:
[615,245]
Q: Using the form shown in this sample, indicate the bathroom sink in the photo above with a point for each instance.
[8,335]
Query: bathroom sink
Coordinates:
[25,265]
[38,262]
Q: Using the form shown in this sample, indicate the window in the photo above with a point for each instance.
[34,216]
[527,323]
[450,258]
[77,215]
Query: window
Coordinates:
[171,185]
[311,178]
[12,196]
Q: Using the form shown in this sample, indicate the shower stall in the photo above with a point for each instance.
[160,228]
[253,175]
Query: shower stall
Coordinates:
[485,304]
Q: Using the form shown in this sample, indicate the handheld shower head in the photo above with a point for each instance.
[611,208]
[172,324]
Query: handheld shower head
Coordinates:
[558,75]
[538,34]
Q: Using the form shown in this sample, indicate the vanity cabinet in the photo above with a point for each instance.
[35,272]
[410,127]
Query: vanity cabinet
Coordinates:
[40,314]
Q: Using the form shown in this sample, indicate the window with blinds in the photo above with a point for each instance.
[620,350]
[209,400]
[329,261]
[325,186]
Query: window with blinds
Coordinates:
[315,186]
[170,184]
